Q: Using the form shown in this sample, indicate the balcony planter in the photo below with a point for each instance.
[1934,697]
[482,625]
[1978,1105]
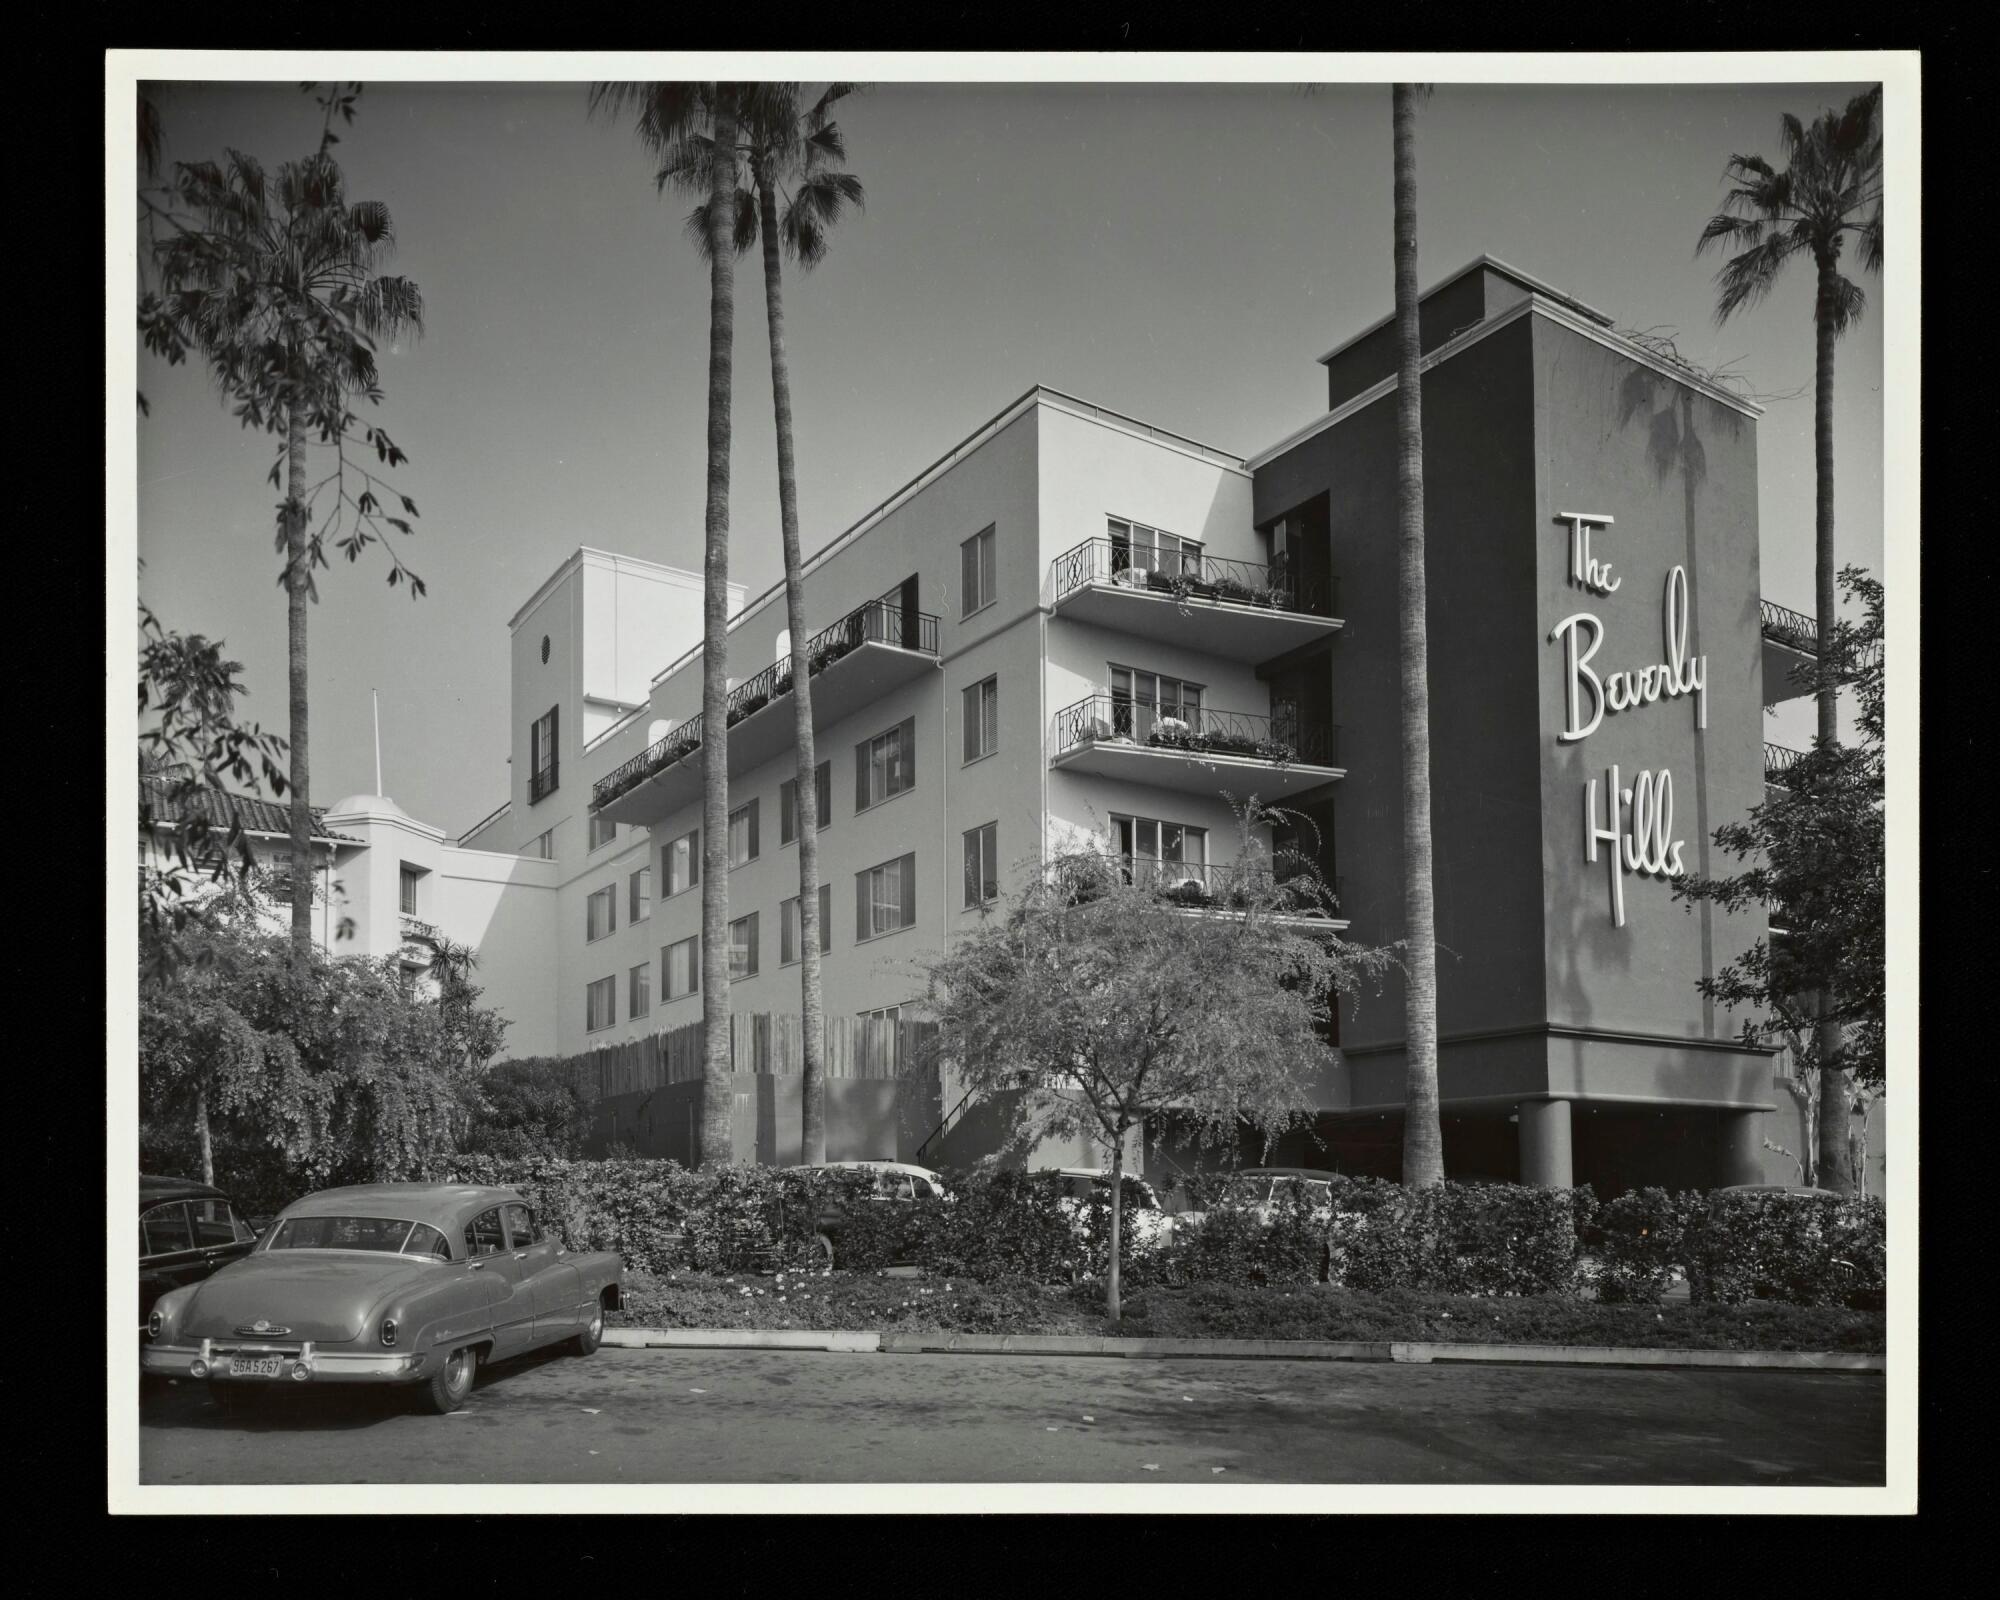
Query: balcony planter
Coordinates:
[1243,593]
[1188,892]
[749,707]
[1131,577]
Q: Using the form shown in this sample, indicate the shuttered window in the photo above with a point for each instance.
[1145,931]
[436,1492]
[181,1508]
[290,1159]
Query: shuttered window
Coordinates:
[788,926]
[639,992]
[885,898]
[743,834]
[981,713]
[600,1002]
[978,581]
[982,865]
[600,913]
[886,765]
[680,864]
[743,947]
[788,802]
[680,969]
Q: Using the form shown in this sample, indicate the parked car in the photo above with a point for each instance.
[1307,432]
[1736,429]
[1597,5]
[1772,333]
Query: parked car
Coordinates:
[390,1283]
[894,1181]
[1260,1189]
[1142,1214]
[187,1231]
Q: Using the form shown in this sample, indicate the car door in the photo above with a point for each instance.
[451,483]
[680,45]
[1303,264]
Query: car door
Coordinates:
[168,1257]
[219,1234]
[513,1306]
[549,1280]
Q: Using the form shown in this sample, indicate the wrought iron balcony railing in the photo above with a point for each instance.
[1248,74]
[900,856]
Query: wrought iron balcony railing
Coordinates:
[1778,760]
[1194,575]
[1782,625]
[1232,886]
[876,622]
[1195,731]
[542,784]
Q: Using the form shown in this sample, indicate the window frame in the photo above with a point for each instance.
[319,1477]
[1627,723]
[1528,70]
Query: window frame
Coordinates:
[692,839]
[971,719]
[608,986]
[904,733]
[791,941]
[592,843]
[749,918]
[867,900]
[639,991]
[983,548]
[752,844]
[693,944]
[407,879]
[788,804]
[638,896]
[544,744]
[607,896]
[985,841]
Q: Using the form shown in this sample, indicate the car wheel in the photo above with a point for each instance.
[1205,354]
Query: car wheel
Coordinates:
[593,1332]
[452,1382]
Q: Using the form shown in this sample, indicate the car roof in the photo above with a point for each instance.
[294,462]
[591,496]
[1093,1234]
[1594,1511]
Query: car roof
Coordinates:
[867,1166]
[154,1190]
[442,1205]
[1287,1172]
[1096,1172]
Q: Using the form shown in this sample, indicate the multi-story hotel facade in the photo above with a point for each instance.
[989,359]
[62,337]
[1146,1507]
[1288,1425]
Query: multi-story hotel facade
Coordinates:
[1014,651]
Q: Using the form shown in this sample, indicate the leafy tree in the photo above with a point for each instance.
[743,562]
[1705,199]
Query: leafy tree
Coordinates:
[528,1108]
[1815,847]
[667,116]
[1423,1133]
[1096,1002]
[797,192]
[272,280]
[1831,187]
[191,749]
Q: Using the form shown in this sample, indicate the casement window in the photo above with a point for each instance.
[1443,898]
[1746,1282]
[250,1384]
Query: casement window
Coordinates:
[982,719]
[600,913]
[543,848]
[788,802]
[1140,699]
[743,947]
[600,1004]
[543,768]
[680,969]
[1153,849]
[982,865]
[1150,550]
[639,990]
[743,834]
[406,901]
[885,898]
[880,1047]
[639,895]
[789,944]
[680,864]
[886,765]
[602,832]
[977,577]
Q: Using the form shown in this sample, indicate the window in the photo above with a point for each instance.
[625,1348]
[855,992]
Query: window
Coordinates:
[639,895]
[1153,849]
[544,846]
[743,947]
[680,864]
[639,990]
[543,768]
[680,969]
[886,765]
[788,802]
[977,579]
[982,719]
[407,891]
[164,1230]
[789,944]
[880,1048]
[600,1004]
[1140,699]
[1152,551]
[743,834]
[982,865]
[522,1227]
[885,898]
[425,1240]
[600,913]
[215,1224]
[602,832]
[484,1235]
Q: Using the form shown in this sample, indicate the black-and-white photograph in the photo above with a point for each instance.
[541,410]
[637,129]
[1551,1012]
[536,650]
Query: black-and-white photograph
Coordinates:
[1128,783]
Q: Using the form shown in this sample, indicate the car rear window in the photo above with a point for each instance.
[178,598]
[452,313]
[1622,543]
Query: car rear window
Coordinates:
[385,1234]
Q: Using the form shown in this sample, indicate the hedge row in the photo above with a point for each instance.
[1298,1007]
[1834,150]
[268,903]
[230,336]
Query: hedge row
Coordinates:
[1465,1239]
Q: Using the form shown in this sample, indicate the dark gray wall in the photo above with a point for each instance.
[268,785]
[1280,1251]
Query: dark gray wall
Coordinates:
[1447,310]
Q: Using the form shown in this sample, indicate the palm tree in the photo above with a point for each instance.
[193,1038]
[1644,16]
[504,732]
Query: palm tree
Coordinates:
[275,283]
[1831,186]
[1423,1136]
[797,193]
[668,117]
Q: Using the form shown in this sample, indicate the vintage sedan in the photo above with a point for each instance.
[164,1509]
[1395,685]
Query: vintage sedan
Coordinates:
[187,1231]
[389,1283]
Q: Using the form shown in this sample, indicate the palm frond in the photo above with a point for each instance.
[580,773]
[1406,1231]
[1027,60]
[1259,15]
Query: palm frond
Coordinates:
[1746,279]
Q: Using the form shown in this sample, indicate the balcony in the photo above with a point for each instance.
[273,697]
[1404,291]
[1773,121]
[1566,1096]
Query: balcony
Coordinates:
[1227,889]
[1198,751]
[872,650]
[1791,640]
[1237,610]
[1778,760]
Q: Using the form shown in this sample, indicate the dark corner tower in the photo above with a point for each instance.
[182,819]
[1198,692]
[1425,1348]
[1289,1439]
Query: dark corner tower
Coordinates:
[1597,685]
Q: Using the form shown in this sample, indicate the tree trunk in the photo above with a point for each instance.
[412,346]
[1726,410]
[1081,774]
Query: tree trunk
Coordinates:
[297,575]
[812,1073]
[1423,1135]
[1835,1091]
[204,1135]
[718,1091]
[1112,1307]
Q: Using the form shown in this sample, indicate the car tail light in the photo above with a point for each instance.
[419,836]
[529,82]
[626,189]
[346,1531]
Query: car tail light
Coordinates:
[154,1324]
[388,1330]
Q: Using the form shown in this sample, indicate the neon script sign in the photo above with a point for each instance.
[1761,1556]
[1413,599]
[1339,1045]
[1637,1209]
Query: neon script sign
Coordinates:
[1637,821]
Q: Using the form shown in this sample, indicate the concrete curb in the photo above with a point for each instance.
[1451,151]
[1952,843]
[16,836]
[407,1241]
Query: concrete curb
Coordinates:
[1400,1351]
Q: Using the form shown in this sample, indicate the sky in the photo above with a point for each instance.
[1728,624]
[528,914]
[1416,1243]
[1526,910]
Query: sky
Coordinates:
[1179,252]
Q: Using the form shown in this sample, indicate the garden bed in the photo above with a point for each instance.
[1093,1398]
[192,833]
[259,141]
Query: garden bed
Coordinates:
[874,1302]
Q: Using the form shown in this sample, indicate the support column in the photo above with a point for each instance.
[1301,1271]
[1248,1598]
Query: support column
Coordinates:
[1740,1148]
[1545,1148]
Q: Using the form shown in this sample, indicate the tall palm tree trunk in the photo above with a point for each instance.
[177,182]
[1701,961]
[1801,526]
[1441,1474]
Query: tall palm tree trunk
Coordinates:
[1423,1136]
[1835,1093]
[718,1091]
[812,1079]
[297,575]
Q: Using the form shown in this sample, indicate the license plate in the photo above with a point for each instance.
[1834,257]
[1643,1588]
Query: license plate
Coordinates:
[254,1366]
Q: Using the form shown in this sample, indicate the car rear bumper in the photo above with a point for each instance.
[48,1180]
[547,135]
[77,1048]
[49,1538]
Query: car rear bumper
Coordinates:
[214,1363]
